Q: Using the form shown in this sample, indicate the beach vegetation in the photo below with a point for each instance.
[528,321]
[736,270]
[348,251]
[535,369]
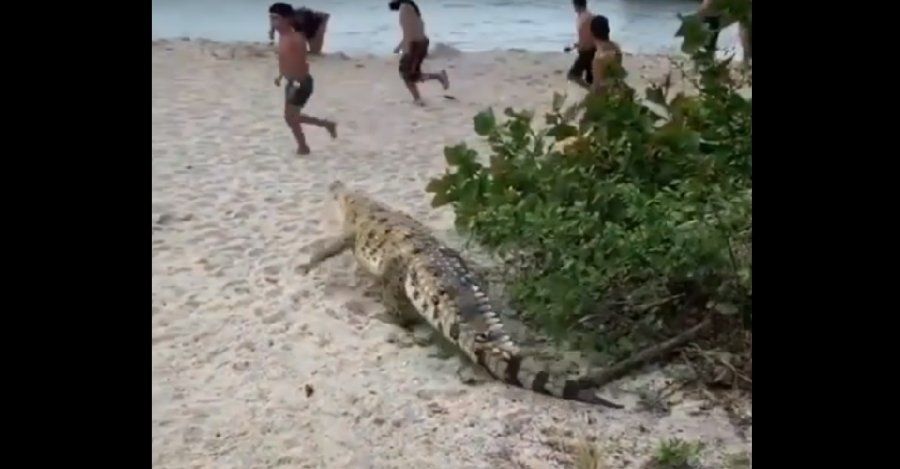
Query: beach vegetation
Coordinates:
[623,224]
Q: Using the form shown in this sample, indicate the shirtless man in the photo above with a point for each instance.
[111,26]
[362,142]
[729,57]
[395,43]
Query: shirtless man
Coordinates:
[581,73]
[312,24]
[294,68]
[607,63]
[711,15]
[414,46]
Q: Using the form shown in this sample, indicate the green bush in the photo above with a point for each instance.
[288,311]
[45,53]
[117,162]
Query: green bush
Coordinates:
[620,221]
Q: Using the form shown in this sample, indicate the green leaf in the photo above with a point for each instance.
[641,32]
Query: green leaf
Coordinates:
[523,115]
[562,132]
[694,32]
[677,138]
[485,122]
[460,155]
[440,199]
[442,188]
[500,166]
[470,192]
[437,185]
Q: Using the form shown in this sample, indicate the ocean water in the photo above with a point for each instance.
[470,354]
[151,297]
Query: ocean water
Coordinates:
[639,26]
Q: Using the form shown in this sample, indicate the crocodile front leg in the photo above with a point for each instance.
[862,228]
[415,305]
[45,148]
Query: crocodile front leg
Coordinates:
[331,247]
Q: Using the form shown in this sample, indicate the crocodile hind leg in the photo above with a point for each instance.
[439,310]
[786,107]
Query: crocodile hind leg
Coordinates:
[469,373]
[330,248]
[443,348]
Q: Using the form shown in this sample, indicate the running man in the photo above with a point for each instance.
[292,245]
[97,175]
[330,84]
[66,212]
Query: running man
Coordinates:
[581,73]
[294,68]
[607,63]
[312,24]
[414,46]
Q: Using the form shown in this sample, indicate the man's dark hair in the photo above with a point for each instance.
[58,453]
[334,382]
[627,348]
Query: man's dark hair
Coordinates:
[282,9]
[395,5]
[600,27]
[579,4]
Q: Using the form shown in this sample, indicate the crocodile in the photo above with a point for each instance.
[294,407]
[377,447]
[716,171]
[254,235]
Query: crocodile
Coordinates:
[421,278]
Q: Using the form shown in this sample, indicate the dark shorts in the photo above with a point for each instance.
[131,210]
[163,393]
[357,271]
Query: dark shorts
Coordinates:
[411,60]
[297,93]
[582,66]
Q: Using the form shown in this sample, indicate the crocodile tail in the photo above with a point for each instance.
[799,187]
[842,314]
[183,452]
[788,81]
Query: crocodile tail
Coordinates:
[485,342]
[524,372]
[478,330]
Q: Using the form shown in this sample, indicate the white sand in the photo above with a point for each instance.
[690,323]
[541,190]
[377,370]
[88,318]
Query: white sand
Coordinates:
[238,334]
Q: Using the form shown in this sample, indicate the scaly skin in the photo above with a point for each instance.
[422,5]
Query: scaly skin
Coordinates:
[421,278]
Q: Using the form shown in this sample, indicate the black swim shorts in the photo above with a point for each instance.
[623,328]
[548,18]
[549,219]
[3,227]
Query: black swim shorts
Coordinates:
[411,60]
[297,92]
[582,66]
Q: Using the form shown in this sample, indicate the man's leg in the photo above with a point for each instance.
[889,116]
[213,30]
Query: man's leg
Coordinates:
[575,70]
[295,99]
[328,125]
[421,53]
[441,77]
[413,90]
[576,73]
[588,66]
[293,118]
[409,73]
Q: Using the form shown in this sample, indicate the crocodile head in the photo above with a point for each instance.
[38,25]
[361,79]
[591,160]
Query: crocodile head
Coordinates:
[344,203]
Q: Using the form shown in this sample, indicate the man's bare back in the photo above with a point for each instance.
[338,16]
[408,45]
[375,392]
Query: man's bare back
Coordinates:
[583,27]
[411,24]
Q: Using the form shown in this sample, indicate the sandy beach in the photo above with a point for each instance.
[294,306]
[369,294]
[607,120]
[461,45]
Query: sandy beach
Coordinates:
[256,365]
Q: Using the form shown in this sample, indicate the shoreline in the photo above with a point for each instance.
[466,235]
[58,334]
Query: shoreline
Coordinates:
[437,50]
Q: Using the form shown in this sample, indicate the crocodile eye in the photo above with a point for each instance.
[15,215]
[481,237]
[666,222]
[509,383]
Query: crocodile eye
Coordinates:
[482,337]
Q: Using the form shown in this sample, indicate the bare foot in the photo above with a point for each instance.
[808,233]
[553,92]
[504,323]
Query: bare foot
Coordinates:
[304,150]
[419,102]
[331,127]
[445,80]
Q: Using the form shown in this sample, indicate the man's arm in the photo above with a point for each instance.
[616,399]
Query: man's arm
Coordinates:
[280,75]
